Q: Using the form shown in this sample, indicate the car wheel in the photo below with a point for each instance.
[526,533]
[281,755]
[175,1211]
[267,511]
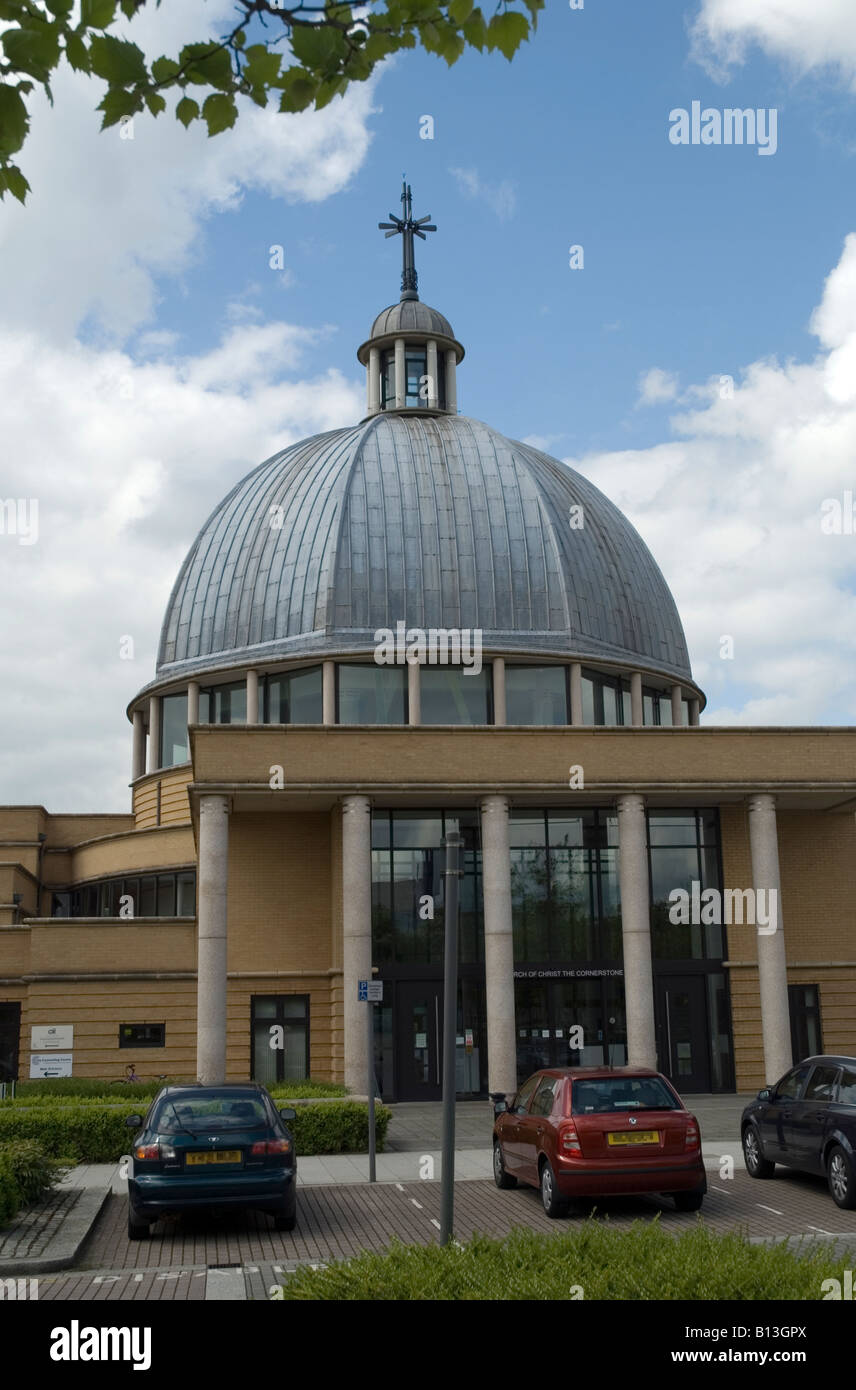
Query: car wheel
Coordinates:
[137,1230]
[553,1204]
[757,1166]
[841,1178]
[688,1201]
[500,1177]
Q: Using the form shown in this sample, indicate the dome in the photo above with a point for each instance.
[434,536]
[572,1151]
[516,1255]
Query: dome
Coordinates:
[435,520]
[411,316]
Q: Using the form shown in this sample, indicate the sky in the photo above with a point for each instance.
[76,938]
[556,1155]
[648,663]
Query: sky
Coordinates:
[698,363]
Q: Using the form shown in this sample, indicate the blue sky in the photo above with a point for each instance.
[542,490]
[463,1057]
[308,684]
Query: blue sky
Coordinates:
[149,356]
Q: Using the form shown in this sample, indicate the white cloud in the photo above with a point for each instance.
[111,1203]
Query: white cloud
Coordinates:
[731,509]
[809,38]
[656,386]
[501,197]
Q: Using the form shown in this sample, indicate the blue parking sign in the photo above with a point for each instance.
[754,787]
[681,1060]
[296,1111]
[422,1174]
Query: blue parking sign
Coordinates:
[362,990]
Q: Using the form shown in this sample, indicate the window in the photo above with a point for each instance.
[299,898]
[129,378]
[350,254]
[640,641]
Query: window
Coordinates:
[371,694]
[606,699]
[682,852]
[804,1008]
[790,1087]
[544,1096]
[408,886]
[822,1084]
[174,747]
[280,1037]
[224,704]
[453,695]
[151,895]
[608,1094]
[142,1035]
[293,698]
[536,695]
[416,386]
[521,1100]
[847,1087]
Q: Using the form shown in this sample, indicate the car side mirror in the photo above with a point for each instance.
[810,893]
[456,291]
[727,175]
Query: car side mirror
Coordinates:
[134,1122]
[765,1094]
[501,1107]
[288,1114]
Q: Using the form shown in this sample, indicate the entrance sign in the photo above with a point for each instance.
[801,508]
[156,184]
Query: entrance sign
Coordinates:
[48,1035]
[49,1064]
[375,991]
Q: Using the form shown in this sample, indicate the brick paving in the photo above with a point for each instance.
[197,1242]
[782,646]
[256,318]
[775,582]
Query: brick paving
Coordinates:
[339,1222]
[29,1233]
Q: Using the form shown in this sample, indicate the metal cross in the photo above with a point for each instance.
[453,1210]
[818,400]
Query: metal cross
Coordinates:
[408,229]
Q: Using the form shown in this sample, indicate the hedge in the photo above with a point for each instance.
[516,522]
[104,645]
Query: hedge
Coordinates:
[90,1088]
[594,1261]
[25,1173]
[89,1133]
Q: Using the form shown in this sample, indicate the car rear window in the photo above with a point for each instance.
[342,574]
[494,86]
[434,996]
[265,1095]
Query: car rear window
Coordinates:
[204,1113]
[602,1096]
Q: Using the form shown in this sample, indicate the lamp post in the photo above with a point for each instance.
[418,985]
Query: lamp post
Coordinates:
[452,844]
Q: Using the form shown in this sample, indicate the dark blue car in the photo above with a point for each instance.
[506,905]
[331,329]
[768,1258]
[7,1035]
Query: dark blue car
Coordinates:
[204,1147]
[807,1121]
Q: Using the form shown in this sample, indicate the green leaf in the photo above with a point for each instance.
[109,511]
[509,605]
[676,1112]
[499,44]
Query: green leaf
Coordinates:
[475,30]
[451,48]
[77,53]
[187,110]
[207,65]
[219,112]
[155,102]
[35,51]
[328,90]
[164,68]
[314,45]
[12,179]
[129,7]
[507,32]
[262,66]
[378,46]
[117,61]
[61,8]
[240,38]
[97,14]
[14,120]
[460,11]
[12,9]
[117,103]
[299,88]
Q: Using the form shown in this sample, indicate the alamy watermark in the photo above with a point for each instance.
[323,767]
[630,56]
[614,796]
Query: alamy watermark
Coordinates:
[731,126]
[433,646]
[19,516]
[709,907]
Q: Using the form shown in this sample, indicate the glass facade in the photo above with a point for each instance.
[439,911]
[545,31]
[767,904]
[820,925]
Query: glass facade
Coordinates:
[606,699]
[140,895]
[175,746]
[536,695]
[292,698]
[371,694]
[224,704]
[416,393]
[449,695]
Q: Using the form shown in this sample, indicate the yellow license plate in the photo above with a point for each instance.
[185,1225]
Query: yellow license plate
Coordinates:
[221,1156]
[634,1136]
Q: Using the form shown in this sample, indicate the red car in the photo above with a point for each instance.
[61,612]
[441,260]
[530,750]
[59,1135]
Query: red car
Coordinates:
[597,1132]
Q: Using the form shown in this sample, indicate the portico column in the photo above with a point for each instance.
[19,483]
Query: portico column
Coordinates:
[498,946]
[431,372]
[414,693]
[694,713]
[772,964]
[252,697]
[500,716]
[193,702]
[576,693]
[154,732]
[400,378]
[138,753]
[677,706]
[637,716]
[451,383]
[636,932]
[356,932]
[373,381]
[328,692]
[211,948]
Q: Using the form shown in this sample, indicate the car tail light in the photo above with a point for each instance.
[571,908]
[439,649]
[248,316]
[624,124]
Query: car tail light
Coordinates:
[271,1146]
[147,1151]
[568,1139]
[693,1138]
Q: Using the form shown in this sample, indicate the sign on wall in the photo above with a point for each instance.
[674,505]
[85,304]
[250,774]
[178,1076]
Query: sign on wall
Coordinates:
[49,1064]
[49,1035]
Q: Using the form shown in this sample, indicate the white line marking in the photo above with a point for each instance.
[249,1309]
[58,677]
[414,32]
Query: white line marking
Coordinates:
[418,1205]
[400,1186]
[170,1275]
[435,1222]
[772,1209]
[820,1228]
[138,1278]
[106,1279]
[720,1189]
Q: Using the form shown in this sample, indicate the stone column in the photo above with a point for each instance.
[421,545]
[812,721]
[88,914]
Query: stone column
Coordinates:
[431,368]
[772,964]
[154,732]
[498,946]
[400,377]
[636,931]
[193,702]
[328,692]
[451,383]
[373,381]
[677,707]
[414,693]
[211,937]
[356,932]
[576,693]
[252,697]
[636,710]
[138,747]
[694,713]
[499,710]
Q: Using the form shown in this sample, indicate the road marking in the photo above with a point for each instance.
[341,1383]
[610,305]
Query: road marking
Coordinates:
[400,1186]
[138,1278]
[225,1285]
[722,1189]
[772,1209]
[820,1229]
[171,1275]
[435,1222]
[418,1205]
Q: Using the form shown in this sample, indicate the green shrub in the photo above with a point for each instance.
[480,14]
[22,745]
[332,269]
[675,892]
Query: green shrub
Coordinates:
[90,1089]
[33,1170]
[307,1090]
[10,1196]
[644,1262]
[91,1133]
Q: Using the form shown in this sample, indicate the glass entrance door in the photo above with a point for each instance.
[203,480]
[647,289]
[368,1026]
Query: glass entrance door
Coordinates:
[10,1028]
[419,1026]
[682,1032]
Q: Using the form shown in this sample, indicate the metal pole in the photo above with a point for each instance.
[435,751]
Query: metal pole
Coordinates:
[453,842]
[370,1054]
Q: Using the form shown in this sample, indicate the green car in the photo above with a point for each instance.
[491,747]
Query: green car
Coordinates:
[211,1147]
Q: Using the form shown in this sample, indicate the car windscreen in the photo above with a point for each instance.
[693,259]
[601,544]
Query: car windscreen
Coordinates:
[204,1115]
[616,1093]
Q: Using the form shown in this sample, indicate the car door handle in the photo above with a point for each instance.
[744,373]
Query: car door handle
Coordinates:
[539,1129]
